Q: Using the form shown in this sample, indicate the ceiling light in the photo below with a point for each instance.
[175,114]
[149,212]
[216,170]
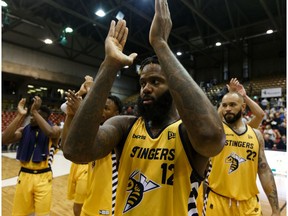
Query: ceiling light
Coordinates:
[68,30]
[120,15]
[218,44]
[179,53]
[126,66]
[3,4]
[30,86]
[100,13]
[270,31]
[48,41]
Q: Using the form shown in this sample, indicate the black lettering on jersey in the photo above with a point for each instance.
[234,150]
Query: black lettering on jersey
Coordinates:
[239,144]
[153,153]
[164,154]
[171,154]
[134,150]
[136,136]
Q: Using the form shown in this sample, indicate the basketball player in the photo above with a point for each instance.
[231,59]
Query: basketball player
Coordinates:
[37,145]
[77,179]
[232,188]
[94,187]
[163,153]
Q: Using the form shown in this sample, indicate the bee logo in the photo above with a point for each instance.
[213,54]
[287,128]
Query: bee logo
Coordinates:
[234,161]
[136,189]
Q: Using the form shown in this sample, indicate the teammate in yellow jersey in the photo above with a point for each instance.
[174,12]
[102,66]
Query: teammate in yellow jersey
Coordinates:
[77,179]
[232,188]
[37,145]
[163,153]
[88,182]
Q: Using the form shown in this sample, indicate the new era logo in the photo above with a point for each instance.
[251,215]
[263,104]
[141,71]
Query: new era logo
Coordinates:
[171,135]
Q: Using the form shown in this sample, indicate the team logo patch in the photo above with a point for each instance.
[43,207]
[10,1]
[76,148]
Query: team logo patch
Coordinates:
[234,160]
[137,189]
[171,135]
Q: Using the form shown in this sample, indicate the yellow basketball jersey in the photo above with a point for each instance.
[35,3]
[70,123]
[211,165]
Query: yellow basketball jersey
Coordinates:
[154,173]
[42,164]
[234,169]
[101,179]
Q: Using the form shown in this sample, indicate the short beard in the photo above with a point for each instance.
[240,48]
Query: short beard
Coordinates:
[231,120]
[158,111]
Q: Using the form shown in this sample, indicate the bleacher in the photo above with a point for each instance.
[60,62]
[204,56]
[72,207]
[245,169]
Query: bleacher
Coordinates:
[8,116]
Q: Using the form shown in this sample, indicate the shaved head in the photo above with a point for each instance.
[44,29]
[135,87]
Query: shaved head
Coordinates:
[233,106]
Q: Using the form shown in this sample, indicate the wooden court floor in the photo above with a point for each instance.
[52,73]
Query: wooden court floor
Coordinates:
[63,207]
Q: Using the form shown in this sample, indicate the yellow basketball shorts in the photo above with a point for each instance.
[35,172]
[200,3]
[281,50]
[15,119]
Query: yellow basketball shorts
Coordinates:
[33,194]
[77,183]
[224,206]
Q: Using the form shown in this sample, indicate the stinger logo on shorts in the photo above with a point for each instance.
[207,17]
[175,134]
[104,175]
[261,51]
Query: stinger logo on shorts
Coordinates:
[234,161]
[136,189]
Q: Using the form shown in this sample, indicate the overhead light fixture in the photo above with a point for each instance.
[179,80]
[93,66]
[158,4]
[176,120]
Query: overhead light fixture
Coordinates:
[270,31]
[100,13]
[68,30]
[218,44]
[48,41]
[3,4]
[120,15]
[179,53]
[126,66]
[63,39]
[30,86]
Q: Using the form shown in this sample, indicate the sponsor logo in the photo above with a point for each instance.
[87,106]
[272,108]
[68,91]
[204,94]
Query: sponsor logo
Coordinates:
[135,136]
[171,135]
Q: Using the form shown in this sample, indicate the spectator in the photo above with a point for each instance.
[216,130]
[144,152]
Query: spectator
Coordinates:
[268,142]
[282,144]
[264,103]
[269,130]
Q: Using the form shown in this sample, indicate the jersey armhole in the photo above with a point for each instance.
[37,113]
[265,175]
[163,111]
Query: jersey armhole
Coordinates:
[188,149]
[123,140]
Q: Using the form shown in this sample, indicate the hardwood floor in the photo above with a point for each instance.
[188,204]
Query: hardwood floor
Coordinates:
[63,207]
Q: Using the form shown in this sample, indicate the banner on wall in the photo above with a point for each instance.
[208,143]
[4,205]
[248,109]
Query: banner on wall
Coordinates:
[271,92]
